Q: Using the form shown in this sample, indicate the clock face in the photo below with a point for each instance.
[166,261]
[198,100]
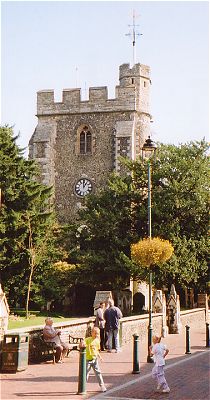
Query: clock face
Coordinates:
[83,187]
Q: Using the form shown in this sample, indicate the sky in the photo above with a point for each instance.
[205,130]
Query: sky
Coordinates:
[67,44]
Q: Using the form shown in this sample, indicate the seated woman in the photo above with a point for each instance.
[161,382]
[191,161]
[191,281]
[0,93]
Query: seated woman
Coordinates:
[53,335]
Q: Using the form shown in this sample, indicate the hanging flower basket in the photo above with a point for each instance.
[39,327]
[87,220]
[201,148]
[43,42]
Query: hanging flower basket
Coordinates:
[149,252]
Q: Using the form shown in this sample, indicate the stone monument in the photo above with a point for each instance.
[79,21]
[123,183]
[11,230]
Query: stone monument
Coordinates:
[203,303]
[173,311]
[4,312]
[123,300]
[159,306]
[101,296]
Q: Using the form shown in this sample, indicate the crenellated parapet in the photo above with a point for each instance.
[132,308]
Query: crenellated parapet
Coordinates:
[98,101]
[76,138]
[139,70]
[127,94]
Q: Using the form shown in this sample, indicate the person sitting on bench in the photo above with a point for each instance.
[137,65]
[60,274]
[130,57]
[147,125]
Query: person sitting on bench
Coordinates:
[53,335]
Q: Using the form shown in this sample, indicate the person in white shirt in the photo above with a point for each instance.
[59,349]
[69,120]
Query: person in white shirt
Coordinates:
[53,335]
[159,351]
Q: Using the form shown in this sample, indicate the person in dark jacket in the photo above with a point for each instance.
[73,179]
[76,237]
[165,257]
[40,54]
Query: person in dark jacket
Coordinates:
[112,316]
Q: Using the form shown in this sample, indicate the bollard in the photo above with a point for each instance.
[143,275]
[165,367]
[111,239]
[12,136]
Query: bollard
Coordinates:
[207,334]
[187,340]
[82,371]
[136,366]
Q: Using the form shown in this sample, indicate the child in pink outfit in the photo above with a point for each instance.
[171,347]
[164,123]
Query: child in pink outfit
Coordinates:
[159,351]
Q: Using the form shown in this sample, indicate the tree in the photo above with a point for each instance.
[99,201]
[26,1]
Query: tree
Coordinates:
[117,217]
[180,190]
[103,237]
[180,209]
[26,222]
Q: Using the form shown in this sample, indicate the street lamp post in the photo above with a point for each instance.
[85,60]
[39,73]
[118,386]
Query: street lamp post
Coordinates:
[148,150]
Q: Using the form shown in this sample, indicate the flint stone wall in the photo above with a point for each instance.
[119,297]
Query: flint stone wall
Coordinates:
[128,327]
[193,317]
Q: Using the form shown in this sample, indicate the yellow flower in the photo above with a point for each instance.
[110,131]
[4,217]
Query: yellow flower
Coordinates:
[149,252]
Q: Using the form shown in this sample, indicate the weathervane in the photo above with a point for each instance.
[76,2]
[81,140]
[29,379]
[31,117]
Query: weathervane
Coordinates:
[134,35]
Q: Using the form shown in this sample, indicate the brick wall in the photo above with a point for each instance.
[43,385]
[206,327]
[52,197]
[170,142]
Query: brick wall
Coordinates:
[129,326]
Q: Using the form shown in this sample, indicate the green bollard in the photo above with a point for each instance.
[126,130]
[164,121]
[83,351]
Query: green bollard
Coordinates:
[136,366]
[82,371]
[187,340]
[207,334]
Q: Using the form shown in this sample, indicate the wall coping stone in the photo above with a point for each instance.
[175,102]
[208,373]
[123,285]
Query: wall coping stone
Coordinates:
[64,324]
[88,320]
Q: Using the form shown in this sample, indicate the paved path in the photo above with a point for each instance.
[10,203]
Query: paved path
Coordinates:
[187,375]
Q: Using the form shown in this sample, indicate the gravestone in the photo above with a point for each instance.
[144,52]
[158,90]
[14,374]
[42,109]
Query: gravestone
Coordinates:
[189,298]
[123,300]
[202,300]
[203,303]
[159,306]
[4,313]
[101,296]
[173,311]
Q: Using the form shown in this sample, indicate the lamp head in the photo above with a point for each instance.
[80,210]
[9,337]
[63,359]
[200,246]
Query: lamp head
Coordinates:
[148,148]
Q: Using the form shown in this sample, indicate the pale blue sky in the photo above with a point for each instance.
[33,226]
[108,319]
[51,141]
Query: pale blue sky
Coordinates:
[43,42]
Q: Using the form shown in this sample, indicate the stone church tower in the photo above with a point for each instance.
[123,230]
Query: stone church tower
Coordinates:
[77,143]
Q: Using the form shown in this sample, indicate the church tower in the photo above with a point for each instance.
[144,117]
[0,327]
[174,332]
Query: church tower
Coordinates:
[78,143]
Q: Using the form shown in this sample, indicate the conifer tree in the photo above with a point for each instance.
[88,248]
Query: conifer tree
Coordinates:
[26,221]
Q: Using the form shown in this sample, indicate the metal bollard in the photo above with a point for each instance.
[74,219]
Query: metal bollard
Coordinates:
[136,366]
[187,340]
[207,334]
[82,371]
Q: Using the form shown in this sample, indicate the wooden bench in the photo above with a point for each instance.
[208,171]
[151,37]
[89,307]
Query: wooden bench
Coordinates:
[45,351]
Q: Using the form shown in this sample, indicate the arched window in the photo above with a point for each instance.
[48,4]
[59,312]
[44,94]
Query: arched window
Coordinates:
[85,141]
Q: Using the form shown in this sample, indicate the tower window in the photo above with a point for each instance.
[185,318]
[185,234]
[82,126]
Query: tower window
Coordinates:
[85,141]
[145,83]
[132,81]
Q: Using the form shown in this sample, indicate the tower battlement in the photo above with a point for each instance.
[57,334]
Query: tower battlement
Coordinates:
[125,95]
[98,101]
[77,138]
[137,70]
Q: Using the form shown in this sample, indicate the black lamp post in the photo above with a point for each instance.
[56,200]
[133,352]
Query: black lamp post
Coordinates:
[148,149]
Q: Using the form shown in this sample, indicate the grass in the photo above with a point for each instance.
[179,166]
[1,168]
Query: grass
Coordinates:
[36,318]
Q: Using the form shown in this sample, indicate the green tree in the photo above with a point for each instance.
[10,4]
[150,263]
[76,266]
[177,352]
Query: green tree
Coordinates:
[118,216]
[180,210]
[103,235]
[26,222]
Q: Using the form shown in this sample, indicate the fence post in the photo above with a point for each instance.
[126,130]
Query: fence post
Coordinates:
[136,366]
[187,340]
[82,371]
[207,334]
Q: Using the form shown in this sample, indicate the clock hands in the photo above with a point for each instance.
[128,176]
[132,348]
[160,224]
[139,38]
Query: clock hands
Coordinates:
[83,187]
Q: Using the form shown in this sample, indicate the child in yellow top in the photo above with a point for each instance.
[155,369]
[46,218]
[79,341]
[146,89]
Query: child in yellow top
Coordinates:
[92,344]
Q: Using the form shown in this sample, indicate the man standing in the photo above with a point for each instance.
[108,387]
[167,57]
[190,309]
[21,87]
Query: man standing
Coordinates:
[100,323]
[112,316]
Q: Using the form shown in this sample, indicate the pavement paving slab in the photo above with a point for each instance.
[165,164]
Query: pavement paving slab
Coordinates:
[187,375]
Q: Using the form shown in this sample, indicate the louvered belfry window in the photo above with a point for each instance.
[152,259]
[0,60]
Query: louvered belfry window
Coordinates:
[85,141]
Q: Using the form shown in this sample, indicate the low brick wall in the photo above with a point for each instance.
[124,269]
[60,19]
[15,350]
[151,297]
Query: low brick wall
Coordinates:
[194,317]
[128,326]
[139,324]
